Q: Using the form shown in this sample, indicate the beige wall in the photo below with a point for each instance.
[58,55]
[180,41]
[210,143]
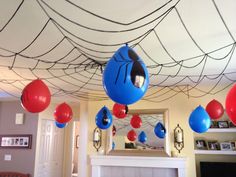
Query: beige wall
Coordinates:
[179,108]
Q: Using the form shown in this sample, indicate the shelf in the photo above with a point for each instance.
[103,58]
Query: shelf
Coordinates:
[215,152]
[221,130]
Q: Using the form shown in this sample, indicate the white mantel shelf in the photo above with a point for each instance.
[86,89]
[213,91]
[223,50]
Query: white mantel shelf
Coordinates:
[221,130]
[97,162]
[138,161]
[215,152]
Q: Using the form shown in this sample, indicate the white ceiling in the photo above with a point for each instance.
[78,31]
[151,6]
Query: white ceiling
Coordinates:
[185,44]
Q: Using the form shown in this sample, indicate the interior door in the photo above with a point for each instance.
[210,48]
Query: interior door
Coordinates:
[57,151]
[50,150]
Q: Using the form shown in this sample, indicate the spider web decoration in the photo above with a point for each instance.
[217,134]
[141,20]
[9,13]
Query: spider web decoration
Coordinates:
[188,46]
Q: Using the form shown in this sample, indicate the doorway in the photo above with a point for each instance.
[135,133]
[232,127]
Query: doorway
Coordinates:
[51,149]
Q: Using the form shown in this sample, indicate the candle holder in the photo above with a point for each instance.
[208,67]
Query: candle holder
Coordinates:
[97,138]
[178,138]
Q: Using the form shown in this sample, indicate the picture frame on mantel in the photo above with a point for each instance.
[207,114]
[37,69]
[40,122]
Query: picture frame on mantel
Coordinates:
[16,141]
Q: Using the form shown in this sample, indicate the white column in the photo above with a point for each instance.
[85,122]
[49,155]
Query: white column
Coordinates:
[96,171]
[181,172]
[83,140]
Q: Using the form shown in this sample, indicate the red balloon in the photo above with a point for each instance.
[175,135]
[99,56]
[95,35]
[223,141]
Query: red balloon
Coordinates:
[35,96]
[230,104]
[132,135]
[215,109]
[136,121]
[120,111]
[63,113]
[113,130]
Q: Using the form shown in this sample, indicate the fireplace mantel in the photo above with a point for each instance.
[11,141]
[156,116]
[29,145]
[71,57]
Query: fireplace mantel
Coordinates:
[100,163]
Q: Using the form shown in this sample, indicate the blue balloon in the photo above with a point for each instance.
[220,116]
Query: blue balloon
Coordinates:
[160,130]
[199,120]
[142,137]
[113,145]
[60,125]
[104,118]
[125,78]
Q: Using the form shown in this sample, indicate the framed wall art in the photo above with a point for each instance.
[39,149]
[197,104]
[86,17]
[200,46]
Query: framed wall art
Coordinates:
[16,141]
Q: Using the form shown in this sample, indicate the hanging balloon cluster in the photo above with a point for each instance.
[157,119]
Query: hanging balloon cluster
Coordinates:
[62,114]
[104,117]
[35,96]
[136,122]
[125,78]
[200,119]
[120,111]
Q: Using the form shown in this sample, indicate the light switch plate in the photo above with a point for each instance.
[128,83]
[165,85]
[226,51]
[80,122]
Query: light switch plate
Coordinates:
[7,157]
[19,119]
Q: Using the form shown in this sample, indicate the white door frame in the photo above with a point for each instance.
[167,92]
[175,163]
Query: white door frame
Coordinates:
[83,143]
[67,165]
[83,140]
